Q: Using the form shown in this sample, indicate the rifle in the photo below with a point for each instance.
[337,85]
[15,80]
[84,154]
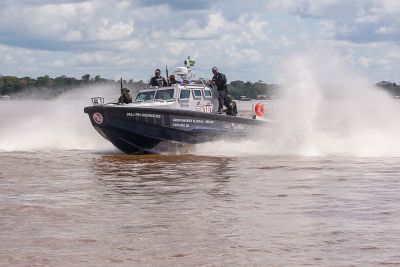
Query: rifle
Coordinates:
[166,72]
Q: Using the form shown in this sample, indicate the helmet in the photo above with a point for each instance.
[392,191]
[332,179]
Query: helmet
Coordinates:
[214,70]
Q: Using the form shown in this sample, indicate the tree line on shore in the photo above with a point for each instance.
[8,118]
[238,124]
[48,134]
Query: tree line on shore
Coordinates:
[47,87]
[392,88]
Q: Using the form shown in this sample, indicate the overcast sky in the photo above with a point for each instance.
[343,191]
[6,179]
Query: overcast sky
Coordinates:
[245,39]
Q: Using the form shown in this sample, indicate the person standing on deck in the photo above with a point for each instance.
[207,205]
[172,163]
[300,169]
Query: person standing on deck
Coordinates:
[172,80]
[219,80]
[158,80]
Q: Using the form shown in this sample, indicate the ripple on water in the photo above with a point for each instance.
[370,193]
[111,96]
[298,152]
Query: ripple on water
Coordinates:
[74,208]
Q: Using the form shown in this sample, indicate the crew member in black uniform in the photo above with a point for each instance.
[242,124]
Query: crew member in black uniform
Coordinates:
[231,108]
[125,97]
[172,80]
[158,80]
[219,79]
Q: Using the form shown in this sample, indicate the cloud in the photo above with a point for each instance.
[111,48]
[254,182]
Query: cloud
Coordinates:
[178,5]
[192,30]
[56,63]
[116,31]
[131,45]
[136,36]
[308,8]
[62,25]
[359,21]
[72,35]
[385,30]
[44,21]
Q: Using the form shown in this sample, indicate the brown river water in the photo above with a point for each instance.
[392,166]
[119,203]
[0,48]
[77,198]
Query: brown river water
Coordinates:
[85,208]
[322,190]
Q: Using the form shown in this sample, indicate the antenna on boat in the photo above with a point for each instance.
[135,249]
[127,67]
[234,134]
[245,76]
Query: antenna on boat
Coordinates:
[122,86]
[190,62]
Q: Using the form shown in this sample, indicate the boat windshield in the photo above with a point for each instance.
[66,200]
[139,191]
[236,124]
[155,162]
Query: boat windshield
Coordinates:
[166,94]
[145,96]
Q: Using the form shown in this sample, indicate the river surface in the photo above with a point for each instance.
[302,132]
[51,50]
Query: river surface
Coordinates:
[85,208]
[322,192]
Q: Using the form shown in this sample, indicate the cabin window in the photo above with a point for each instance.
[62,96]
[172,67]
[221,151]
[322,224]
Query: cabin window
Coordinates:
[197,93]
[185,94]
[207,93]
[145,96]
[166,94]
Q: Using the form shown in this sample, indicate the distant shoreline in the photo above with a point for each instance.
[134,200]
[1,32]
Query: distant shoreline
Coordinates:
[45,87]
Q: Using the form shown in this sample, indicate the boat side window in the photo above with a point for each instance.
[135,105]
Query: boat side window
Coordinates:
[185,94]
[145,96]
[207,93]
[166,94]
[197,93]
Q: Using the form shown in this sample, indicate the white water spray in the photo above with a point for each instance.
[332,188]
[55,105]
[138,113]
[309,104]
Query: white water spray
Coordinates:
[59,124]
[326,108]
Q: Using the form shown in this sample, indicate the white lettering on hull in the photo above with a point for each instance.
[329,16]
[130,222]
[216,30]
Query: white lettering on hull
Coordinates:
[144,115]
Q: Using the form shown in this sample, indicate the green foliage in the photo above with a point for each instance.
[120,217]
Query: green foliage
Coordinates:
[86,77]
[390,87]
[46,87]
[11,85]
[240,89]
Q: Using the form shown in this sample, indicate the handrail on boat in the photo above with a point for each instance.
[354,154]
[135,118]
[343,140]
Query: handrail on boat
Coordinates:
[98,100]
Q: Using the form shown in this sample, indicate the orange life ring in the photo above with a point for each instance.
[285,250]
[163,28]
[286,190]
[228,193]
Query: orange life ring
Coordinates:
[259,109]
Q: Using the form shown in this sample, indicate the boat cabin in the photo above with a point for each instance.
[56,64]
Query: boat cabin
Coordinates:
[196,97]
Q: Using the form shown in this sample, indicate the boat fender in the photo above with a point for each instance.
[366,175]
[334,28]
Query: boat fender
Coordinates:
[259,109]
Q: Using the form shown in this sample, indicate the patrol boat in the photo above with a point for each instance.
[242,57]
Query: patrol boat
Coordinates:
[166,119]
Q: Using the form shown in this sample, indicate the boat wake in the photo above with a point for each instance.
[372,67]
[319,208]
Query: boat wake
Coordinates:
[328,110]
